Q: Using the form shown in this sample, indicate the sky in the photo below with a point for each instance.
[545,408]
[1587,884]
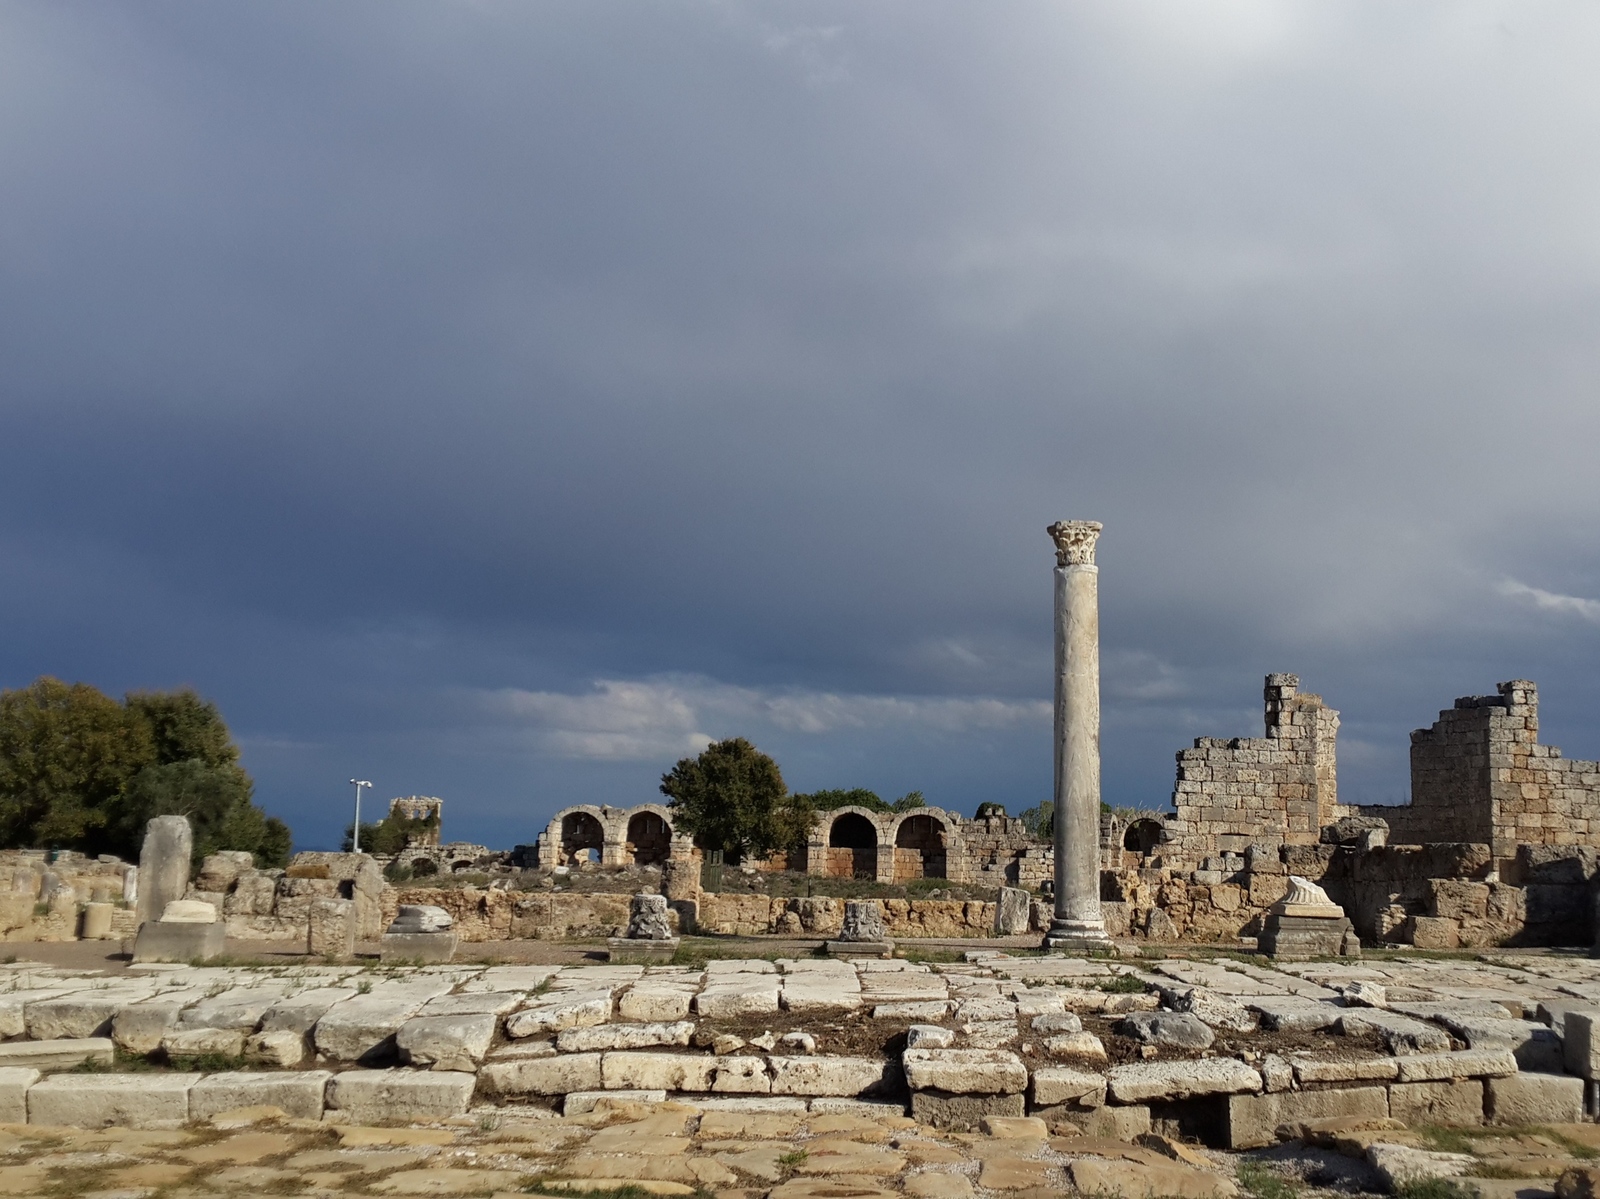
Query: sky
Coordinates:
[498,401]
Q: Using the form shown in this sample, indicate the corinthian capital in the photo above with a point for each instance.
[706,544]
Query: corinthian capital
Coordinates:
[1075,541]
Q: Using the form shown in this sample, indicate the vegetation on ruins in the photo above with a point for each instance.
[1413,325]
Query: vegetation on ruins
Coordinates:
[733,798]
[391,834]
[859,797]
[80,770]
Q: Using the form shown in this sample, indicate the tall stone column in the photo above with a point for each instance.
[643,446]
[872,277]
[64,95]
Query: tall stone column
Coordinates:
[1077,923]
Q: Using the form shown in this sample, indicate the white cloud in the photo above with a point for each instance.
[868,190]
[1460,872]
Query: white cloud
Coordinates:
[667,715]
[1550,601]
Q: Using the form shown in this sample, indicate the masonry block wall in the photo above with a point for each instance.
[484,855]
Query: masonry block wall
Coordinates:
[1480,774]
[1280,789]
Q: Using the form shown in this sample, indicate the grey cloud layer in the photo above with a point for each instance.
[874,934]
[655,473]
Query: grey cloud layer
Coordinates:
[361,358]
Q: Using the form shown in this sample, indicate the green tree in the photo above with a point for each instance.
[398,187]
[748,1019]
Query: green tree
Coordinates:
[389,835]
[733,798]
[66,754]
[82,771]
[860,797]
[1040,819]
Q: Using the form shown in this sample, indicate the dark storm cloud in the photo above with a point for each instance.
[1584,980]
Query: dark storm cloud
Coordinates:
[496,399]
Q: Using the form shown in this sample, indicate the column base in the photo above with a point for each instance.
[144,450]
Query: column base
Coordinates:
[1079,935]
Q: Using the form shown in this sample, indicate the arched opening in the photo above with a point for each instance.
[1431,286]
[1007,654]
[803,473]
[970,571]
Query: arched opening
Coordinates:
[853,847]
[581,839]
[649,839]
[1142,837]
[919,849]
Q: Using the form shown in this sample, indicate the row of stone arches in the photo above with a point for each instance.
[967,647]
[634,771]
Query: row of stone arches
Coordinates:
[608,836]
[847,843]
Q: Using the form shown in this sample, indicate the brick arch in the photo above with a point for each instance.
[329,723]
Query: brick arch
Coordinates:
[647,834]
[924,841]
[850,842]
[578,830]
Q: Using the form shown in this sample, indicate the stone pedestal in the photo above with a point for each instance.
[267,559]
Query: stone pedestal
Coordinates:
[426,948]
[1290,938]
[640,951]
[1077,924]
[1012,912]
[1305,923]
[161,941]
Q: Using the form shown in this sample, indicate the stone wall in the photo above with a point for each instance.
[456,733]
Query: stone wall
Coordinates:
[1280,789]
[1479,773]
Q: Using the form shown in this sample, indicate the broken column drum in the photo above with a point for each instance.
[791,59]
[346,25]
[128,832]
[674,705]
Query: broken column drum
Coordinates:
[1078,923]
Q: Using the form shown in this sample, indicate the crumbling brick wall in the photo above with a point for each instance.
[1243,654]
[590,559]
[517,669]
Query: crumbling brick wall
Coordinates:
[1479,773]
[1280,789]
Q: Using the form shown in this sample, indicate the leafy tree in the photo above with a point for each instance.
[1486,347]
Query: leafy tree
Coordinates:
[860,797]
[66,754]
[390,835]
[1040,820]
[82,771]
[733,798]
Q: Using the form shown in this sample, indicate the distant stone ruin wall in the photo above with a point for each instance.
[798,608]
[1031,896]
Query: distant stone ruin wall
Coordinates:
[1479,773]
[1280,789]
[847,842]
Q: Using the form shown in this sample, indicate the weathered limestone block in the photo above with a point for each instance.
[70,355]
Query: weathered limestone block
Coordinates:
[965,1071]
[282,1049]
[364,1026]
[14,1084]
[562,1010]
[657,1000]
[221,870]
[163,865]
[298,1093]
[963,1112]
[1181,1030]
[624,1070]
[557,1075]
[1457,1102]
[1466,1063]
[1142,1081]
[1095,1176]
[732,995]
[820,986]
[1012,913]
[1401,1034]
[252,894]
[452,1042]
[331,928]
[85,1014]
[383,1096]
[179,941]
[863,921]
[1373,1069]
[1534,1099]
[740,1075]
[1581,1038]
[1253,1120]
[193,1042]
[624,1036]
[300,1013]
[1061,1084]
[1435,932]
[104,1100]
[837,1076]
[58,1055]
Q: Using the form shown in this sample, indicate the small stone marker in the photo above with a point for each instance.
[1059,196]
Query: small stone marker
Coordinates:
[331,928]
[164,865]
[862,935]
[649,937]
[420,932]
[1012,912]
[1306,923]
